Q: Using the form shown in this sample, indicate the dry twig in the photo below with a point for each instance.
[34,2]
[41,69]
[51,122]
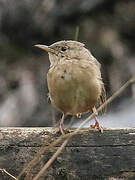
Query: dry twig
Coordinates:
[37,159]
[6,172]
[48,164]
[51,160]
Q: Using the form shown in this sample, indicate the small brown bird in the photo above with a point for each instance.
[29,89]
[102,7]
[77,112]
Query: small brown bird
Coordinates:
[74,79]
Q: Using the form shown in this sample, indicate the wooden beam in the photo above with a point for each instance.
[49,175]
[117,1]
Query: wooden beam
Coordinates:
[89,155]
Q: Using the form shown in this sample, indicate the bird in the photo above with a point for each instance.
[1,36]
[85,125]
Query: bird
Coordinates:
[74,80]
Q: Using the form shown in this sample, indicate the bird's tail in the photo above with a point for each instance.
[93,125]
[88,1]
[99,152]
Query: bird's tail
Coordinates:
[102,99]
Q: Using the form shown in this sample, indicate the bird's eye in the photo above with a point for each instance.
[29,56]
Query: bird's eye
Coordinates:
[63,48]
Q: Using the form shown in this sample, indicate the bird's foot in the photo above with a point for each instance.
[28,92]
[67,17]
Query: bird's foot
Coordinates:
[98,127]
[61,126]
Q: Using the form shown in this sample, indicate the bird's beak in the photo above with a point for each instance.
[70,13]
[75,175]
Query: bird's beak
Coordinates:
[46,48]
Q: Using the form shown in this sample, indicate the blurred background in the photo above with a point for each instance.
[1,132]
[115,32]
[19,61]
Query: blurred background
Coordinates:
[106,27]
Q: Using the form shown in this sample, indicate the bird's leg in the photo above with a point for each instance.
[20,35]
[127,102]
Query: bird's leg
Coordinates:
[96,125]
[62,123]
[78,115]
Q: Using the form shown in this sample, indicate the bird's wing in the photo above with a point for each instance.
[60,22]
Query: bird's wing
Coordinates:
[102,97]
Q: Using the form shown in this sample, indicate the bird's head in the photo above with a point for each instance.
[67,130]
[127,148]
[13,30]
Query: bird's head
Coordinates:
[64,50]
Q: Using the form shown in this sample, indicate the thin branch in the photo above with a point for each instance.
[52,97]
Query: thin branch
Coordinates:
[76,33]
[69,135]
[48,164]
[6,172]
[37,159]
[51,160]
[109,100]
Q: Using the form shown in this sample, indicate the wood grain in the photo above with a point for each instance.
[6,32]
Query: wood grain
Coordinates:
[89,155]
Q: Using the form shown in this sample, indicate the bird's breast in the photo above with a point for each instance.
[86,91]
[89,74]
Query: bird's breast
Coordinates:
[74,86]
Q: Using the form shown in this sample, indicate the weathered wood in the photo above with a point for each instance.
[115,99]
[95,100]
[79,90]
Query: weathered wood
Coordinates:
[89,155]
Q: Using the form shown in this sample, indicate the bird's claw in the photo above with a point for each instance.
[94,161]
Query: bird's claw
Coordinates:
[100,128]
